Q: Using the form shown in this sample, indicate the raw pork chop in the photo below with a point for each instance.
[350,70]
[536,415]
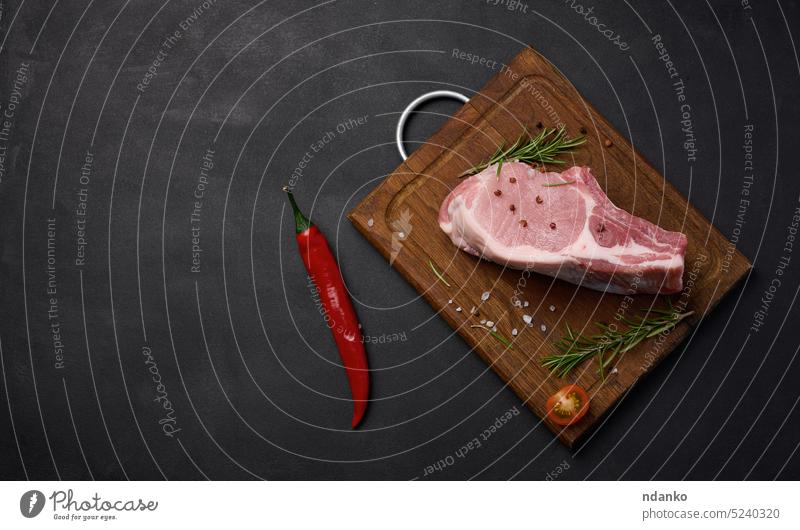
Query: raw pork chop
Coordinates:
[561,225]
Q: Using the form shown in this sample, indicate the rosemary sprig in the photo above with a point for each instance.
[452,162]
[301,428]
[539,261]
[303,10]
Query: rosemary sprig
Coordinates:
[496,335]
[437,273]
[543,148]
[576,348]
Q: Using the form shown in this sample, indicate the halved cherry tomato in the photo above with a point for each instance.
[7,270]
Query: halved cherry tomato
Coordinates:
[568,405]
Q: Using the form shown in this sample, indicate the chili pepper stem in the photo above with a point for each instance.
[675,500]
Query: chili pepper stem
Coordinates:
[301,222]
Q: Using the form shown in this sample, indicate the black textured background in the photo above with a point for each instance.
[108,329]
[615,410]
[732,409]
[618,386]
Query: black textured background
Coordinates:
[246,360]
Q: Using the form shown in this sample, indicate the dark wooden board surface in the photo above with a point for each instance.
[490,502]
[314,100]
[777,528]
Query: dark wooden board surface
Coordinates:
[528,94]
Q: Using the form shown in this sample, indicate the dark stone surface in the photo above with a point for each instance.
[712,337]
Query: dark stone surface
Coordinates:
[246,361]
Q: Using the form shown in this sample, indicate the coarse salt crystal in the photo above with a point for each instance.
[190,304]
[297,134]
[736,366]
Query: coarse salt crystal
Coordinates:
[483,321]
[526,304]
[514,332]
[458,309]
[370,222]
[485,296]
[449,301]
[489,323]
[552,308]
[527,319]
[543,328]
[494,328]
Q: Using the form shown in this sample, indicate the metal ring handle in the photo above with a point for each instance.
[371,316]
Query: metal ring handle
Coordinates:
[401,123]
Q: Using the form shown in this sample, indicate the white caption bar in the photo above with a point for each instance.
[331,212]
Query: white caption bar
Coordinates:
[389,505]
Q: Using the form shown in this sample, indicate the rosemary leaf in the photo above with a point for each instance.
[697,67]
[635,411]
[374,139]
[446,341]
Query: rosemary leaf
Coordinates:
[438,274]
[496,335]
[566,182]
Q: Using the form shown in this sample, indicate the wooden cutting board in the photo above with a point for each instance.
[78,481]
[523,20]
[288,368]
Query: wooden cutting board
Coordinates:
[399,218]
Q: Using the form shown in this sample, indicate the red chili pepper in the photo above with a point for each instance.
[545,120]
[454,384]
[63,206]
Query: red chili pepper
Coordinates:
[322,267]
